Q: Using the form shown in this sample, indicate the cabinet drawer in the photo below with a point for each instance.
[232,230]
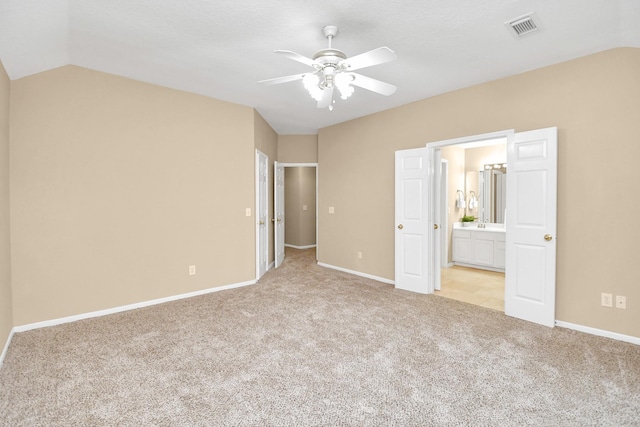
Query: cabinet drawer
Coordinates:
[462,234]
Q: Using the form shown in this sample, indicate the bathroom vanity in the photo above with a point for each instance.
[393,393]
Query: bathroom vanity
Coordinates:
[482,248]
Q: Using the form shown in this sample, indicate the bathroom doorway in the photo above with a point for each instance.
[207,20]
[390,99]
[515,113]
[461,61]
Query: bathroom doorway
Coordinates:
[465,193]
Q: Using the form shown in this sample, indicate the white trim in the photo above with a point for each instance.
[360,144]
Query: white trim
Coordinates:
[99,313]
[6,346]
[357,273]
[599,332]
[299,247]
[479,267]
[444,212]
[273,264]
[473,138]
[295,165]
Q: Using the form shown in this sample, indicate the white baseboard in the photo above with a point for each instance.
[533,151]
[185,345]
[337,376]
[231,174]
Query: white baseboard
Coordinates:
[6,346]
[299,247]
[599,332]
[358,273]
[128,307]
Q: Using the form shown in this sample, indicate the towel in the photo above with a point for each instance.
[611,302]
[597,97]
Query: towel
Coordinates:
[473,203]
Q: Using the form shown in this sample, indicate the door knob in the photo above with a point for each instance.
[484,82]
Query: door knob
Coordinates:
[400,226]
[279,219]
[435,226]
[548,237]
[273,220]
[261,222]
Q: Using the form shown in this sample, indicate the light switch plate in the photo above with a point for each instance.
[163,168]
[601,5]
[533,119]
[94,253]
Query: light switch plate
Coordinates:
[248,212]
[331,209]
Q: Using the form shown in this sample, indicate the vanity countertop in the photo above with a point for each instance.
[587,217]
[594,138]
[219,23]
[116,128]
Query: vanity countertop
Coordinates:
[493,228]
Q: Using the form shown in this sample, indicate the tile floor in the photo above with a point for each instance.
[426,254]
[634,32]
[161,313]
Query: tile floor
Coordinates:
[479,287]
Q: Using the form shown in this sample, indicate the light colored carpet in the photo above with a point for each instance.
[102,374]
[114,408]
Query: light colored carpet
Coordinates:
[312,346]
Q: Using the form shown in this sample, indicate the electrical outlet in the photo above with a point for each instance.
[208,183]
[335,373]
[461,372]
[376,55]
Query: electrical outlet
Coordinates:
[606,300]
[359,255]
[621,302]
[192,270]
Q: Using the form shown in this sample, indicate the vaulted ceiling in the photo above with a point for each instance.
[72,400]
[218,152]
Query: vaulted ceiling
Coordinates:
[221,48]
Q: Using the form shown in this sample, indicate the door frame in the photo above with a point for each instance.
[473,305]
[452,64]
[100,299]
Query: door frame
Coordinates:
[444,211]
[434,204]
[305,165]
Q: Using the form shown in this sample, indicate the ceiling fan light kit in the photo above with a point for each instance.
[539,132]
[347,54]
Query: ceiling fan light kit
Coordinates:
[333,69]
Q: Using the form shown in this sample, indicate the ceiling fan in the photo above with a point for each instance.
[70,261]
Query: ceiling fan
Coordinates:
[332,69]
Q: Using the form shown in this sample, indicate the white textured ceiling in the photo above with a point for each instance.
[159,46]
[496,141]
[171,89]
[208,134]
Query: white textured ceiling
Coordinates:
[220,48]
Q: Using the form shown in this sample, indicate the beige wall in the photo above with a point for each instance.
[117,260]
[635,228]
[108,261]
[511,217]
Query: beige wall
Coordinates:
[300,191]
[594,103]
[118,186]
[6,310]
[266,140]
[476,158]
[298,148]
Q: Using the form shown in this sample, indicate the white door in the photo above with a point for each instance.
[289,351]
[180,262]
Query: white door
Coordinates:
[411,226]
[436,214]
[530,277]
[262,211]
[278,212]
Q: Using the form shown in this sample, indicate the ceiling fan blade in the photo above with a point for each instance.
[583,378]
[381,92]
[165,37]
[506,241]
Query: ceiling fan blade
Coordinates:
[367,59]
[297,57]
[284,79]
[372,84]
[327,98]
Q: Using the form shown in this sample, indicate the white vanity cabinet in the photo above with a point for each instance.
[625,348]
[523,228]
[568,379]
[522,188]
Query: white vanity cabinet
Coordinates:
[479,248]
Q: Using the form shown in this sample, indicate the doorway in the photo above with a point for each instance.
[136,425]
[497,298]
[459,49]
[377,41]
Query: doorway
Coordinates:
[300,207]
[460,277]
[297,196]
[530,226]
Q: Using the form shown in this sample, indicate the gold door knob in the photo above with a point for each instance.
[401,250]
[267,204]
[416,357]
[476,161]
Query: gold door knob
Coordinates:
[261,222]
[400,226]
[273,220]
[435,226]
[548,237]
[279,219]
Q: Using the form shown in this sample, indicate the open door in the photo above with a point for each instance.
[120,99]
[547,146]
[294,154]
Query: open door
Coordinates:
[262,212]
[530,277]
[278,212]
[411,227]
[436,214]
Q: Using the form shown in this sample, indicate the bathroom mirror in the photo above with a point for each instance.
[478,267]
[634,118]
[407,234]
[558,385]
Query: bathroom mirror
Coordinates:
[489,187]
